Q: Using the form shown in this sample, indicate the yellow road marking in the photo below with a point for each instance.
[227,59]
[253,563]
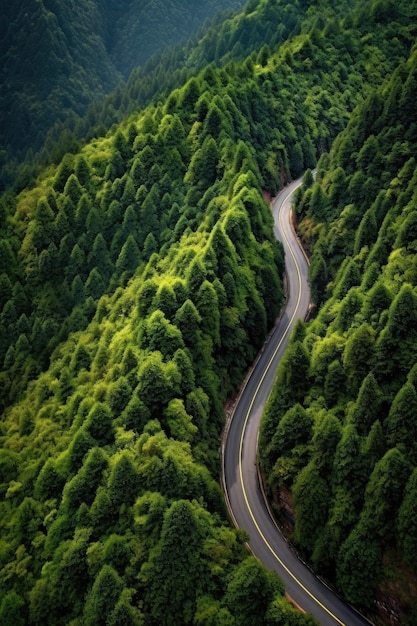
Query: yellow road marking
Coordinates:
[245,426]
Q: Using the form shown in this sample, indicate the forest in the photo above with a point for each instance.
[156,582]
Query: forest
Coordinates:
[139,279]
[339,435]
[59,58]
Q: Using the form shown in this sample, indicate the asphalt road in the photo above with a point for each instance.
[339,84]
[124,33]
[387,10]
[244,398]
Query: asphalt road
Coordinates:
[240,478]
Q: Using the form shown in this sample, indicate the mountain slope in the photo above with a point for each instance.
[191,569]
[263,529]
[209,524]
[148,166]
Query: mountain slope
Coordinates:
[156,25]
[58,57]
[350,376]
[139,279]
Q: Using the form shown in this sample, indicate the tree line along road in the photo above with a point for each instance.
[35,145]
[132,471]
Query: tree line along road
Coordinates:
[244,496]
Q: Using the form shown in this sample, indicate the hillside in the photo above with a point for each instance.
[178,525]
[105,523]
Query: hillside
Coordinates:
[139,278]
[339,438]
[59,57]
[155,26]
[65,128]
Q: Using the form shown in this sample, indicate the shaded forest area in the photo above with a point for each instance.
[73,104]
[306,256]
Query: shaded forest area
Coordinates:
[64,129]
[139,278]
[57,58]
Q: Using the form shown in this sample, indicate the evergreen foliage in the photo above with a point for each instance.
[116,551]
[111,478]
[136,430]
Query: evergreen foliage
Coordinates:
[57,60]
[139,277]
[353,485]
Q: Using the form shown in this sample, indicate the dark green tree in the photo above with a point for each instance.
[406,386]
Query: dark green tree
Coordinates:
[158,383]
[250,592]
[12,610]
[326,437]
[367,231]
[82,171]
[368,405]
[124,613]
[150,246]
[123,481]
[376,300]
[396,345]
[81,488]
[350,465]
[64,171]
[400,425]
[174,574]
[335,382]
[293,373]
[188,320]
[359,566]
[99,423]
[95,284]
[129,257]
[99,257]
[166,300]
[407,521]
[118,395]
[80,445]
[190,93]
[384,494]
[357,355]
[135,415]
[49,483]
[43,225]
[294,428]
[159,334]
[27,521]
[202,171]
[73,190]
[103,597]
[311,503]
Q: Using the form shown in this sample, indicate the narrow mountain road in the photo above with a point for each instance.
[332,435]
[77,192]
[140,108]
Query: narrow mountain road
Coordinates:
[240,477]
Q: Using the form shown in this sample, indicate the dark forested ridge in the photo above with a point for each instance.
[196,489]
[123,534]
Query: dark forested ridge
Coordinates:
[155,25]
[57,57]
[139,277]
[57,105]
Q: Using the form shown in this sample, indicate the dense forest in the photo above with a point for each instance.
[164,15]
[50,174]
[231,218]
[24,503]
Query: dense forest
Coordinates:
[57,58]
[339,440]
[61,122]
[139,278]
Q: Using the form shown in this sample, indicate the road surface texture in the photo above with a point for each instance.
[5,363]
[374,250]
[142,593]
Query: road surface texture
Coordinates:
[240,477]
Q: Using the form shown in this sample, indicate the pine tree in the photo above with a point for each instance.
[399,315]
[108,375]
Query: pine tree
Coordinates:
[174,574]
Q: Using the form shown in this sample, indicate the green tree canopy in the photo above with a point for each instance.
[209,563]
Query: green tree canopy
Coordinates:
[174,573]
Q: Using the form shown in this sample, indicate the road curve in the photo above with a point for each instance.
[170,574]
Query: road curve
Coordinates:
[240,477]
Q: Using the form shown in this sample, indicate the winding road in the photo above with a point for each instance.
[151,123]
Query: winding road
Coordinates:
[244,496]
